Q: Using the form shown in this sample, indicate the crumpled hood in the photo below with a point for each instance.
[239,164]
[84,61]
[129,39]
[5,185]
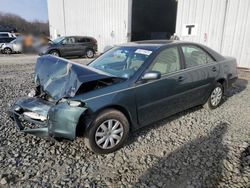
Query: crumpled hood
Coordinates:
[62,78]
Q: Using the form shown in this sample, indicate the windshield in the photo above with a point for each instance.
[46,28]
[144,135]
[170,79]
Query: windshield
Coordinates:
[122,61]
[58,40]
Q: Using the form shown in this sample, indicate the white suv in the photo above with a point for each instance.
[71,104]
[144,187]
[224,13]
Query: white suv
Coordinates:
[14,46]
[6,34]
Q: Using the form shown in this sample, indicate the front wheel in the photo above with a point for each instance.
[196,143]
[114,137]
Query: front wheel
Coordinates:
[108,132]
[215,97]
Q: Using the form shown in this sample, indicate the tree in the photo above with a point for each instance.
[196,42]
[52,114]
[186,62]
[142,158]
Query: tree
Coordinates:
[23,26]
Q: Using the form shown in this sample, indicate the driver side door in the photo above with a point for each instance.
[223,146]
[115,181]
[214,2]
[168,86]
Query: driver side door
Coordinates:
[160,98]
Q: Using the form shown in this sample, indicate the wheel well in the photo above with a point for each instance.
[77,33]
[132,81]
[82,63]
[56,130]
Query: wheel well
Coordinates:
[122,110]
[87,118]
[89,49]
[7,48]
[119,108]
[55,50]
[223,82]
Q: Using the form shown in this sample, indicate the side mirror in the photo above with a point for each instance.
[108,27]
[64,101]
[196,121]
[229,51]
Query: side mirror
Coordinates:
[152,75]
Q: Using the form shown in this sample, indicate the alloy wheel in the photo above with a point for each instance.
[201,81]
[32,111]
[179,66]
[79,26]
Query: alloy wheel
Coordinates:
[55,54]
[90,54]
[109,134]
[216,96]
[7,51]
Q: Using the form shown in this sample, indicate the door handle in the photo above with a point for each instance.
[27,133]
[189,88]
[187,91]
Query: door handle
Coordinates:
[181,78]
[214,69]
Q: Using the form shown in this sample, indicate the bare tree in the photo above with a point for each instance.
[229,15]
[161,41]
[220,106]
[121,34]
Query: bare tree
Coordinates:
[23,26]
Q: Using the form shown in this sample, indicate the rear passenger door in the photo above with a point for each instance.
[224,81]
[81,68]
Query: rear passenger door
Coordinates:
[81,46]
[201,70]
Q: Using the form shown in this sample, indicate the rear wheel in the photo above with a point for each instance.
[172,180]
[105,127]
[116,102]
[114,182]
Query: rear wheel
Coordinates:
[215,97]
[108,132]
[90,53]
[54,53]
[7,51]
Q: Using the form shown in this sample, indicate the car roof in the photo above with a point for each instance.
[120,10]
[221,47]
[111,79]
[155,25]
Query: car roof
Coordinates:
[151,43]
[157,44]
[79,36]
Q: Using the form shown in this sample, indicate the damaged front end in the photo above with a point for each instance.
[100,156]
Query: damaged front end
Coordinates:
[46,119]
[50,110]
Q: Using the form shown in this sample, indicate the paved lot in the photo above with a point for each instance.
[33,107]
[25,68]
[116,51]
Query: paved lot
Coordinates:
[195,148]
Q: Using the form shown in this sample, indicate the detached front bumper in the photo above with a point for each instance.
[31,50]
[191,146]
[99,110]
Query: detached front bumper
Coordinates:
[44,119]
[28,124]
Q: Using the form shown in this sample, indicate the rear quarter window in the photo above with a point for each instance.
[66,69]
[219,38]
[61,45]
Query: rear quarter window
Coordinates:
[81,40]
[195,56]
[88,40]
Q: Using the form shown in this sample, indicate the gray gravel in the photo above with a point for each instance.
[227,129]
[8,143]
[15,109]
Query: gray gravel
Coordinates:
[195,148]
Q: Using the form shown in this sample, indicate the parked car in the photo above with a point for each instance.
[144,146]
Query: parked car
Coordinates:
[6,40]
[7,34]
[126,88]
[71,46]
[15,46]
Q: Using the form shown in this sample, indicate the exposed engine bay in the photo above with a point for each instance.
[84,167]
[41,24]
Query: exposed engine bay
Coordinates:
[58,78]
[98,84]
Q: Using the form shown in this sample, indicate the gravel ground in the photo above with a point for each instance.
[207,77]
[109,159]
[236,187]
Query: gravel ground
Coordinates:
[195,148]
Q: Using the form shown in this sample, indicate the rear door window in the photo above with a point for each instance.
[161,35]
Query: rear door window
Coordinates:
[195,56]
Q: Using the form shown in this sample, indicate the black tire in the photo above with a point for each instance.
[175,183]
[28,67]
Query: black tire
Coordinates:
[54,53]
[7,51]
[107,115]
[90,53]
[210,105]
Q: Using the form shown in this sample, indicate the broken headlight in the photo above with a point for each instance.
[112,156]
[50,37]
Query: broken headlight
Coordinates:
[76,103]
[34,115]
[73,103]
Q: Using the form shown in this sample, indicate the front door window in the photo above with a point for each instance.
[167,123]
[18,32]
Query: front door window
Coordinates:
[167,61]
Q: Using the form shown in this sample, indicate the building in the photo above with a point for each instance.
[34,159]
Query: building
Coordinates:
[223,25]
[112,21]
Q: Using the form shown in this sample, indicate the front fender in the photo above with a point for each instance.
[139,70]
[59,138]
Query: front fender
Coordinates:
[63,120]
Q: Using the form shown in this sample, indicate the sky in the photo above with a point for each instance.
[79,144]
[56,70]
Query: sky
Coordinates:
[28,9]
